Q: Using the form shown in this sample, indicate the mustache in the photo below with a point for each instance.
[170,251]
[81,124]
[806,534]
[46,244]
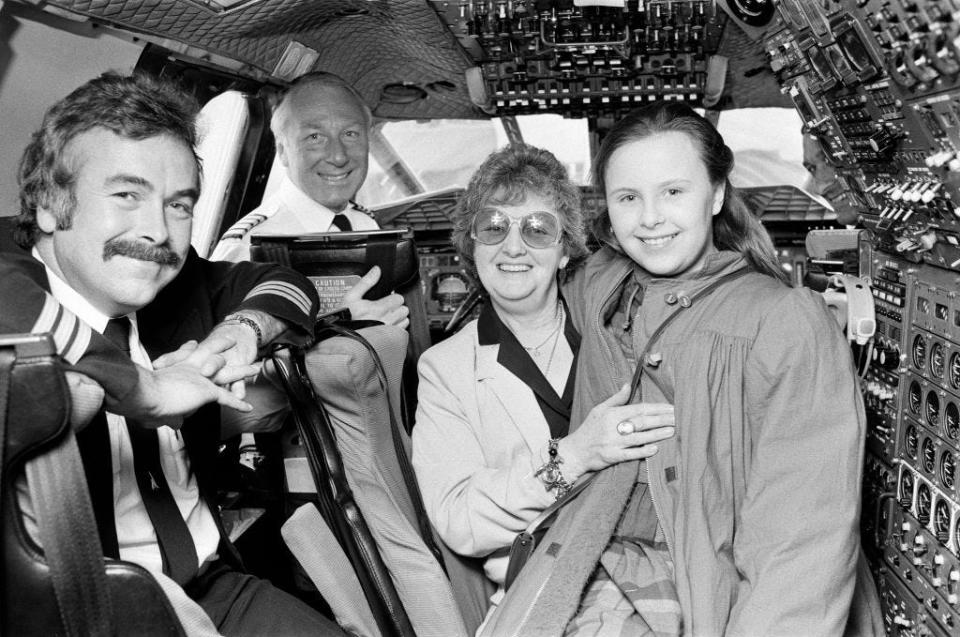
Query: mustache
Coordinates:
[142,251]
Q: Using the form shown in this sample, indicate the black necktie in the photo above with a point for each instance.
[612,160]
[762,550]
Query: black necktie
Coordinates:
[176,544]
[340,220]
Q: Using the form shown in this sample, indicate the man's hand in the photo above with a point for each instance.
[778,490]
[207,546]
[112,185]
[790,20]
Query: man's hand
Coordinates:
[229,346]
[389,310]
[164,396]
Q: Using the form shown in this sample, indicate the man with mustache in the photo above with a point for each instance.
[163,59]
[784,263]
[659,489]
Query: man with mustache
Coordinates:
[321,126]
[107,189]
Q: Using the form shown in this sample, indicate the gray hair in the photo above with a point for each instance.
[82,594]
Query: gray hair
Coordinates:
[319,79]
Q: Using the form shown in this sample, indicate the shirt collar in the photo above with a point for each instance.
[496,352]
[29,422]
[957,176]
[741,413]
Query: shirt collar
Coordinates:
[73,301]
[304,209]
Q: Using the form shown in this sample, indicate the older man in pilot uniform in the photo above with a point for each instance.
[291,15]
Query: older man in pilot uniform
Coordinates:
[321,126]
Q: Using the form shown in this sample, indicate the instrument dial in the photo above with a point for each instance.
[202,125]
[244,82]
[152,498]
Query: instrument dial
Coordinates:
[906,490]
[929,455]
[941,520]
[911,441]
[948,469]
[915,397]
[924,502]
[936,360]
[932,409]
[955,370]
[951,421]
[919,351]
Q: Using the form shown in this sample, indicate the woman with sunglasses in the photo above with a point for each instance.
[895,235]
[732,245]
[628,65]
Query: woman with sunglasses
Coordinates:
[494,399]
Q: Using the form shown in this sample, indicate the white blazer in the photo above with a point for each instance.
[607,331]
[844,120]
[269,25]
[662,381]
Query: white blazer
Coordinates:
[479,437]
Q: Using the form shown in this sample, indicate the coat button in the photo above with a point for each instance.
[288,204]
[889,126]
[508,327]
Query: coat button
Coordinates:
[685,301]
[670,298]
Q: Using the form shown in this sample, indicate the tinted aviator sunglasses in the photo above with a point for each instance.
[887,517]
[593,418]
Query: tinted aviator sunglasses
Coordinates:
[538,229]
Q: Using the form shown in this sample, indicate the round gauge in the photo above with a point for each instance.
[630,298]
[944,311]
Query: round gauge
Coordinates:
[955,370]
[931,409]
[906,490]
[941,520]
[936,360]
[915,397]
[756,13]
[919,351]
[929,455]
[924,502]
[951,421]
[948,469]
[911,441]
[449,290]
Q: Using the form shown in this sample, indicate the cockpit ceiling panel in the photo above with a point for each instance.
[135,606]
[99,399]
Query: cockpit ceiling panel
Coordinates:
[369,43]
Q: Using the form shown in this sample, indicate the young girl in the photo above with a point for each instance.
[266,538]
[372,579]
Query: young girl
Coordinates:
[746,521]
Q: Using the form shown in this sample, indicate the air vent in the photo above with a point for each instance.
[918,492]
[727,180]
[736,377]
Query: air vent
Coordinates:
[402,93]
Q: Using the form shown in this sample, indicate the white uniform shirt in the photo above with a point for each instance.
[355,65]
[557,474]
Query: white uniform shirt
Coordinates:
[289,211]
[136,537]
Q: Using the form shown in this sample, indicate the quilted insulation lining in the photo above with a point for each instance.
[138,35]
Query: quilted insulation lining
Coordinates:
[369,43]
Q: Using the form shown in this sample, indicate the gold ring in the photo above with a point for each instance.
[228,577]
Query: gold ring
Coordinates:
[624,427]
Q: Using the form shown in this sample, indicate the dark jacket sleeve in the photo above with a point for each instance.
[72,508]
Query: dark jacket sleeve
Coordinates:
[206,291]
[27,307]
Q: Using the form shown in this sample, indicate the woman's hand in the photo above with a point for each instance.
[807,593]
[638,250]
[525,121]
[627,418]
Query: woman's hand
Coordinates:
[614,432]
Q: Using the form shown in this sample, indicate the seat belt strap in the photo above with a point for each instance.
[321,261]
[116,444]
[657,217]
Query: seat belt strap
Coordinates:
[71,544]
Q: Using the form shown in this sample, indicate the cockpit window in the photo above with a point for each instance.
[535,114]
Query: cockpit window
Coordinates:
[412,157]
[767,144]
[415,157]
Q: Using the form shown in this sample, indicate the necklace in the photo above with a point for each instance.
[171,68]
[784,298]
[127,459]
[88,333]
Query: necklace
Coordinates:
[553,350]
[535,350]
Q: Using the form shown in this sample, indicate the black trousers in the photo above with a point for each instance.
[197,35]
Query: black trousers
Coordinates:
[242,605]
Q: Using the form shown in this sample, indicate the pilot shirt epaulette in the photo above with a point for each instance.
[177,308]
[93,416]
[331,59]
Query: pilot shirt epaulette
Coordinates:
[359,208]
[245,225]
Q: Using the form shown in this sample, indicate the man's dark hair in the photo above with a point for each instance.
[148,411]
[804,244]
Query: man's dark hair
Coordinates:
[137,106]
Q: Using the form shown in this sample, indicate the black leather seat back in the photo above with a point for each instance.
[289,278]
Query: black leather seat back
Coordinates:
[36,422]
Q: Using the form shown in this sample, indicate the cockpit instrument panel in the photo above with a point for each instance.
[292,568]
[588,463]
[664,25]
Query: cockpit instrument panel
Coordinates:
[587,58]
[878,83]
